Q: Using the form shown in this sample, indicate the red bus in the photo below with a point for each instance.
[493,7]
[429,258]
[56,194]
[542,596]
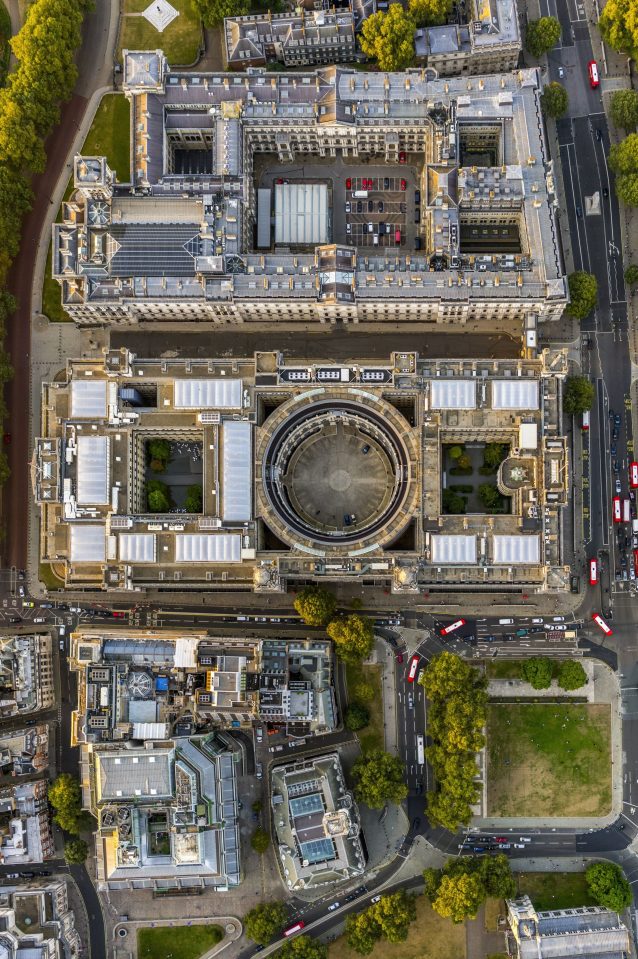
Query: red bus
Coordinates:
[594,79]
[633,475]
[414,666]
[452,628]
[617,510]
[585,426]
[626,511]
[602,624]
[636,561]
[593,572]
[298,926]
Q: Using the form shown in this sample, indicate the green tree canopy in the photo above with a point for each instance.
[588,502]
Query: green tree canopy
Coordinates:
[578,395]
[158,454]
[357,716]
[315,605]
[494,454]
[194,500]
[260,840]
[554,100]
[631,275]
[541,35]
[455,451]
[76,851]
[446,674]
[158,497]
[353,637]
[453,503]
[583,294]
[65,795]
[459,897]
[303,947]
[393,913]
[618,24]
[264,921]
[623,159]
[364,692]
[379,778]
[362,932]
[388,38]
[608,886]
[489,497]
[213,12]
[497,876]
[624,109]
[430,13]
[571,674]
[538,671]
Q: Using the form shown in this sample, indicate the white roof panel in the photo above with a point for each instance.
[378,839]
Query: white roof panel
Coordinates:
[216,394]
[208,548]
[93,470]
[236,471]
[454,394]
[515,393]
[528,436]
[150,731]
[137,547]
[301,213]
[88,399]
[458,550]
[516,549]
[88,543]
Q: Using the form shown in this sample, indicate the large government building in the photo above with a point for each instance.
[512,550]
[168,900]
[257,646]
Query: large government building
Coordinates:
[191,474]
[328,197]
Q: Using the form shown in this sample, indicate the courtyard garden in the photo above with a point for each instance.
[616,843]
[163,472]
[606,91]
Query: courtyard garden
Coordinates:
[174,473]
[548,759]
[469,472]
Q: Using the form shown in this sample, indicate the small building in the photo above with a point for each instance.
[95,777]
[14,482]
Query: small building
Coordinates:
[565,933]
[36,921]
[25,826]
[489,42]
[26,674]
[297,39]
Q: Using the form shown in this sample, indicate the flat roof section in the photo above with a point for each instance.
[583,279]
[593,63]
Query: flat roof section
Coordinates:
[93,471]
[516,550]
[137,547]
[454,394]
[301,213]
[88,399]
[88,543]
[237,476]
[515,394]
[208,548]
[460,550]
[207,394]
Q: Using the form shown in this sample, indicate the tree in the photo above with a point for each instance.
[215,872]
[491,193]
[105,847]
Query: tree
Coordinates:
[364,692]
[464,462]
[446,674]
[357,717]
[583,294]
[362,932]
[623,159]
[260,840]
[608,886]
[213,12]
[618,24]
[497,876]
[379,779]
[264,921]
[303,947]
[631,275]
[452,502]
[65,795]
[76,851]
[158,454]
[571,674]
[194,500]
[538,672]
[430,13]
[624,109]
[627,188]
[494,454]
[459,897]
[578,395]
[393,914]
[541,35]
[315,605]
[432,880]
[353,637]
[158,497]
[455,451]
[389,38]
[554,100]
[490,497]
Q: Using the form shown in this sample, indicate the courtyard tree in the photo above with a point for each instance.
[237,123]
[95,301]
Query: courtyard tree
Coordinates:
[459,897]
[76,851]
[631,275]
[65,795]
[264,921]
[624,109]
[578,395]
[353,637]
[260,840]
[538,672]
[541,35]
[430,13]
[158,497]
[618,25]
[388,38]
[608,886]
[493,455]
[379,779]
[357,716]
[583,294]
[554,100]
[455,451]
[194,500]
[490,498]
[315,605]
[158,454]
[213,12]
[571,674]
[453,503]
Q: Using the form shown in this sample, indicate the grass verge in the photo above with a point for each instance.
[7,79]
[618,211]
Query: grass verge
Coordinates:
[430,937]
[48,578]
[549,759]
[178,942]
[554,890]
[493,909]
[371,736]
[180,41]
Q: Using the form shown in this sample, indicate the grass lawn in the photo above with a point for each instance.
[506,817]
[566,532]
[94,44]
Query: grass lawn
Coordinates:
[430,937]
[493,909]
[503,669]
[180,41]
[554,890]
[180,942]
[548,759]
[52,297]
[48,578]
[109,135]
[371,737]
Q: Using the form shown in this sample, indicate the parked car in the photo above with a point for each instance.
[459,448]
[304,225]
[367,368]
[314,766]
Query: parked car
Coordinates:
[260,734]
[417,197]
[386,186]
[348,183]
[404,184]
[348,208]
[333,906]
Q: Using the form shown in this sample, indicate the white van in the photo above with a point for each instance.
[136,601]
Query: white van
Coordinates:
[505,622]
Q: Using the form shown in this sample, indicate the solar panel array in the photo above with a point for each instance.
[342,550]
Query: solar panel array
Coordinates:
[306,804]
[317,850]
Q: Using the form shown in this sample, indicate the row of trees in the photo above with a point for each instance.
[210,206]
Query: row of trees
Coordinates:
[619,26]
[578,395]
[456,716]
[265,921]
[459,889]
[539,671]
[65,795]
[352,635]
[623,159]
[387,920]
